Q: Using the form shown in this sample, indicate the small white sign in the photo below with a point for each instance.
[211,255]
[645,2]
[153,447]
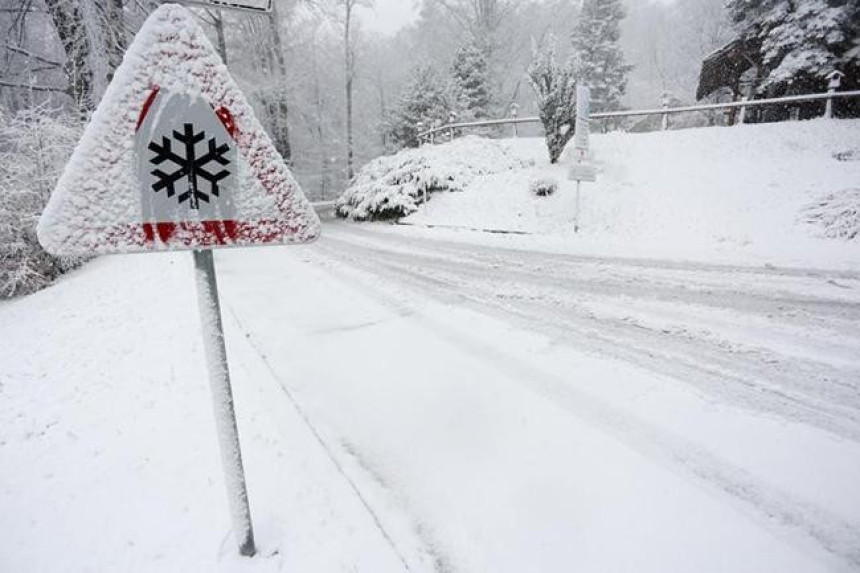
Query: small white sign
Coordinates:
[582,171]
[261,5]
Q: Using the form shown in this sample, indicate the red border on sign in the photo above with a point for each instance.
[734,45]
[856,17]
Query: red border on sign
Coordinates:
[146,105]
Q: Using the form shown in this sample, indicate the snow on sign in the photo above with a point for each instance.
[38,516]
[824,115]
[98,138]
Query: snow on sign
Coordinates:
[174,159]
[261,5]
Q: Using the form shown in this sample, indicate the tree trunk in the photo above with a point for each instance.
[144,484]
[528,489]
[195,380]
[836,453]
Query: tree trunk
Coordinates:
[218,18]
[280,107]
[115,36]
[69,22]
[350,64]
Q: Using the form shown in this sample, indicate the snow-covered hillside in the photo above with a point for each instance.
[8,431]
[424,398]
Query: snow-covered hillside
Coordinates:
[787,192]
[411,403]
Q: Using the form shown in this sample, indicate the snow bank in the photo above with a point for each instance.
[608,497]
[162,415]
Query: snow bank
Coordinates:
[393,186]
[109,451]
[777,190]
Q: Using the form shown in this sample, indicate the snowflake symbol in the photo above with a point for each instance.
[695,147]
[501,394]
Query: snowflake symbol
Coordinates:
[189,166]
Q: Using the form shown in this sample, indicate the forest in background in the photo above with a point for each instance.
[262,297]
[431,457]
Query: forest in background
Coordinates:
[333,95]
[294,67]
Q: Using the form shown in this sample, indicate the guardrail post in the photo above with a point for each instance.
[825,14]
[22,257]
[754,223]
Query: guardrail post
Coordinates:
[665,125]
[835,78]
[743,115]
[514,113]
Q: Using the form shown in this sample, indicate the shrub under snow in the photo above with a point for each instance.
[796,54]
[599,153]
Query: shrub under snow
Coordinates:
[837,214]
[393,186]
[543,186]
[34,147]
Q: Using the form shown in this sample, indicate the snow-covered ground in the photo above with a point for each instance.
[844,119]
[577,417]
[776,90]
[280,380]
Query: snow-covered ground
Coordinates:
[752,192]
[410,403]
[675,389]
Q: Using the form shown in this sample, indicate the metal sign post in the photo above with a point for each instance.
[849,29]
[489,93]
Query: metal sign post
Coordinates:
[222,400]
[581,170]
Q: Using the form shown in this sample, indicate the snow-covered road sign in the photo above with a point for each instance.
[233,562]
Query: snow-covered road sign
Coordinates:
[174,159]
[582,169]
[260,5]
[582,127]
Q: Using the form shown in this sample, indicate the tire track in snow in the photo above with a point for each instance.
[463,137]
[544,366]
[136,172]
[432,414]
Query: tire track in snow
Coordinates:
[742,288]
[796,389]
[329,450]
[825,534]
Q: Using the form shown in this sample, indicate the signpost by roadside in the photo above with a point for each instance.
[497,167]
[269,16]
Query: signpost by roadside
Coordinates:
[174,159]
[250,5]
[581,169]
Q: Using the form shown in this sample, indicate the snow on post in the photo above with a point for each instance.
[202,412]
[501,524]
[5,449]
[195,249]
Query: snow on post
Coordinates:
[222,401]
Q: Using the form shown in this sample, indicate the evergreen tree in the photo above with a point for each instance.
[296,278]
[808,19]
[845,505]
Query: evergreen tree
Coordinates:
[425,102]
[555,88]
[799,43]
[472,86]
[598,58]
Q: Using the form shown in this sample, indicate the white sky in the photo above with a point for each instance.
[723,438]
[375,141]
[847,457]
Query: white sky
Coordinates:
[389,16]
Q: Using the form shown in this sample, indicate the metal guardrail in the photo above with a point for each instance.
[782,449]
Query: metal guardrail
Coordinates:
[665,111]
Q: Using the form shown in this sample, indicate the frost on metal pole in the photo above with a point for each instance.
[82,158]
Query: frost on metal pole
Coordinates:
[175,160]
[582,169]
[222,399]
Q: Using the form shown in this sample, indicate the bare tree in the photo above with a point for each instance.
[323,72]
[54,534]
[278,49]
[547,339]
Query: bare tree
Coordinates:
[68,17]
[348,7]
[343,12]
[482,18]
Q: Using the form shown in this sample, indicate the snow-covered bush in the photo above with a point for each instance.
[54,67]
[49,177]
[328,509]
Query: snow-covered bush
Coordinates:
[34,146]
[393,186]
[837,214]
[543,186]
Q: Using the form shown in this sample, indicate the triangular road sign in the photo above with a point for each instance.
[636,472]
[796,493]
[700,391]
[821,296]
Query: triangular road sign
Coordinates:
[174,159]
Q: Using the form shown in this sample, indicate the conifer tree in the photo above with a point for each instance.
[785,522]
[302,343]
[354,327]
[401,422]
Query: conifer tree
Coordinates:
[425,102]
[597,56]
[799,43]
[472,85]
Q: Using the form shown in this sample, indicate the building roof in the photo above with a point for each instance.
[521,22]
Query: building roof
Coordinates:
[724,67]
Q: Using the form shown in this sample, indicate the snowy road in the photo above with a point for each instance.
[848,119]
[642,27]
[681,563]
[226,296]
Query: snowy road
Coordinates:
[713,389]
[783,341]
[423,401]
